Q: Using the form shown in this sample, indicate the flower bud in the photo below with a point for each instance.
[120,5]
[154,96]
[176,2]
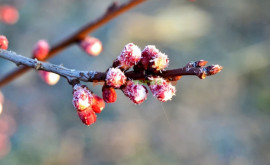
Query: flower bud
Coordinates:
[98,104]
[49,77]
[137,93]
[109,94]
[3,42]
[91,46]
[87,116]
[161,89]
[9,14]
[130,55]
[82,97]
[115,78]
[41,50]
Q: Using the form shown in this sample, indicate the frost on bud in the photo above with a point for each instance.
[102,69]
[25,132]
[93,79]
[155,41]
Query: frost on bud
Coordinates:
[160,62]
[49,77]
[91,46]
[87,116]
[137,93]
[3,42]
[82,97]
[213,69]
[41,50]
[9,14]
[152,58]
[115,78]
[98,104]
[130,56]
[161,89]
[109,94]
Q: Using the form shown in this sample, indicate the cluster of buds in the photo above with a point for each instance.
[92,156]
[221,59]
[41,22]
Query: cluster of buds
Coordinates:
[150,60]
[87,104]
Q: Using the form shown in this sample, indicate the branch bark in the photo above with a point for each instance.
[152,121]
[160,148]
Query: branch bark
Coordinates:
[113,11]
[94,76]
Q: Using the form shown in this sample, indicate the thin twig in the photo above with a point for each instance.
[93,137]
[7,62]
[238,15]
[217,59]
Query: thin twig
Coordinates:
[113,11]
[93,76]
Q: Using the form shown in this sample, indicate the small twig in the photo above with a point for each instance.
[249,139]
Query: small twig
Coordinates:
[92,76]
[112,12]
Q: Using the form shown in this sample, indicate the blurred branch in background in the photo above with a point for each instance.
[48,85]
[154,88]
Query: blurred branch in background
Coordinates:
[113,11]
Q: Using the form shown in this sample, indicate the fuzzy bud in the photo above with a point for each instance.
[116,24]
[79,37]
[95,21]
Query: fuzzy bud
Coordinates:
[109,94]
[3,42]
[49,77]
[91,46]
[161,89]
[130,55]
[115,78]
[152,58]
[137,93]
[87,116]
[41,50]
[9,14]
[82,97]
[98,104]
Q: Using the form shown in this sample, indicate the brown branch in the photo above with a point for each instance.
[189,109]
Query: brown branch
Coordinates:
[113,11]
[191,68]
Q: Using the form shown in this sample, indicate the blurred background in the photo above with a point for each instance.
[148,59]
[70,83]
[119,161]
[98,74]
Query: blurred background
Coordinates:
[222,120]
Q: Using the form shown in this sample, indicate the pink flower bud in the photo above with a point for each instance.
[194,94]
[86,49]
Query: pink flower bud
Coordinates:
[49,77]
[98,104]
[161,89]
[136,92]
[130,55]
[109,94]
[115,78]
[3,42]
[91,46]
[87,116]
[41,50]
[9,14]
[160,62]
[1,102]
[152,58]
[82,97]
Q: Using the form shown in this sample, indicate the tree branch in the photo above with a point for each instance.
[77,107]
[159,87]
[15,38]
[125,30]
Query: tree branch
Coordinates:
[191,68]
[113,11]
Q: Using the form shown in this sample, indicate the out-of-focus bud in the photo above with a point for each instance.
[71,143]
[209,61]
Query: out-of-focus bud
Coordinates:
[91,46]
[9,14]
[41,50]
[49,77]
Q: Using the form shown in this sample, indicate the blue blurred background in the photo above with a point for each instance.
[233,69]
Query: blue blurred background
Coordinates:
[222,120]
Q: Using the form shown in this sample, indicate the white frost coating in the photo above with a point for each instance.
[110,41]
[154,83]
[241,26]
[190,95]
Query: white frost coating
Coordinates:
[82,97]
[162,89]
[130,55]
[136,92]
[115,77]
